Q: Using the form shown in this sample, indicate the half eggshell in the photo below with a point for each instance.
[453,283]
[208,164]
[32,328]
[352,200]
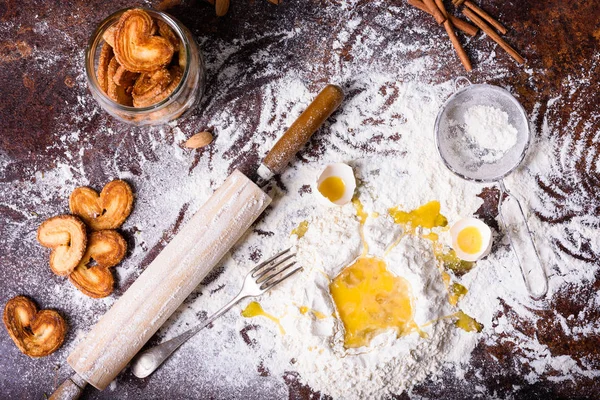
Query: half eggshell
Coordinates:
[346,174]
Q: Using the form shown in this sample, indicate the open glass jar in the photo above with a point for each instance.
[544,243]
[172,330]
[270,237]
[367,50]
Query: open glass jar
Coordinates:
[180,101]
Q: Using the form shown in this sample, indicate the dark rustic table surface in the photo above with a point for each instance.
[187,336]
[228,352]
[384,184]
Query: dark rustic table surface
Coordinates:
[42,81]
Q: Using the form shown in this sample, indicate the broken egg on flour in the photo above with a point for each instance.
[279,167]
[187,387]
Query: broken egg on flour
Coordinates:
[471,239]
[336,184]
[370,300]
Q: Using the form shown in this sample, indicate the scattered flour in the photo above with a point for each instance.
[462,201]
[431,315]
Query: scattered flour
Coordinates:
[407,176]
[384,131]
[408,179]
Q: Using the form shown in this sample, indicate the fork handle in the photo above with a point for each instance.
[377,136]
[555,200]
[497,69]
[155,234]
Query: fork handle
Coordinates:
[149,360]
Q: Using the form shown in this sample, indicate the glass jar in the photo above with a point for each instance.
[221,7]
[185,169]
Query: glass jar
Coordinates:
[182,100]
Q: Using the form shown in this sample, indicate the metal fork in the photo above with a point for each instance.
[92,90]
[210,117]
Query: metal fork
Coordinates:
[260,279]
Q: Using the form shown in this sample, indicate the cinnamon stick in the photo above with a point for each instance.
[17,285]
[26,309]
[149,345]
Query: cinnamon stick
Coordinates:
[463,25]
[437,14]
[458,23]
[492,34]
[460,51]
[221,7]
[499,27]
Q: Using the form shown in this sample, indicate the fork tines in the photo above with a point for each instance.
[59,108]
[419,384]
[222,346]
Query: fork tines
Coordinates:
[271,272]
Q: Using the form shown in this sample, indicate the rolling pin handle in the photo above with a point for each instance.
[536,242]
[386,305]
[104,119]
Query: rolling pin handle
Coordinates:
[264,175]
[326,102]
[70,389]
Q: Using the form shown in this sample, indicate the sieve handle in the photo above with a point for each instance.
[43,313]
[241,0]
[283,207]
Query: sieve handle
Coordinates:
[522,243]
[457,83]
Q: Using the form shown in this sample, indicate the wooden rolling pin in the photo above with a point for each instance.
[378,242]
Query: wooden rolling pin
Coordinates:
[185,261]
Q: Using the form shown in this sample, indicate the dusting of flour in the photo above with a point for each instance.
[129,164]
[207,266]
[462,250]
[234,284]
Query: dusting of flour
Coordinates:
[384,130]
[389,365]
[407,175]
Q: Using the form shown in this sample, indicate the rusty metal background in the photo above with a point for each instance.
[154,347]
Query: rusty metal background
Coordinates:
[559,38]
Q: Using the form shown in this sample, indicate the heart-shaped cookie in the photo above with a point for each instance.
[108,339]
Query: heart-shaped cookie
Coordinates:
[165,31]
[152,97]
[106,54]
[109,35]
[150,85]
[105,211]
[36,333]
[113,90]
[124,78]
[107,249]
[66,235]
[135,46]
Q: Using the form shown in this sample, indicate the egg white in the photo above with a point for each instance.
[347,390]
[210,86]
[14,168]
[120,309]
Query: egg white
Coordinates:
[346,174]
[486,238]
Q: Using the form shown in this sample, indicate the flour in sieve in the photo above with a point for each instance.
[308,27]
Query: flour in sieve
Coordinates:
[489,129]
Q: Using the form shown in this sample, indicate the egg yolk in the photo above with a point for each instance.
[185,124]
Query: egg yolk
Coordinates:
[450,261]
[470,240]
[319,315]
[456,291]
[369,300]
[300,230]
[466,323]
[426,216]
[333,188]
[360,210]
[254,309]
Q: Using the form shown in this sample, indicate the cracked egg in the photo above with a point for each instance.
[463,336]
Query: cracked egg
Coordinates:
[370,299]
[336,184]
[395,288]
[471,239]
[388,284]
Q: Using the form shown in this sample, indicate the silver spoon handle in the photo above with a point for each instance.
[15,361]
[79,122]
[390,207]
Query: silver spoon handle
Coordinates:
[522,244]
[149,360]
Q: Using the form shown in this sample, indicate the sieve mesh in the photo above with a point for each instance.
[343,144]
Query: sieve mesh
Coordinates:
[463,156]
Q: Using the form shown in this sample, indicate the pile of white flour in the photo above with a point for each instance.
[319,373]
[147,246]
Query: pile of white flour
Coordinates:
[488,127]
[389,365]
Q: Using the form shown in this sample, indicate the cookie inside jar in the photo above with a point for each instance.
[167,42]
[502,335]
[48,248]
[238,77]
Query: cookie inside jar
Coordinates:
[141,61]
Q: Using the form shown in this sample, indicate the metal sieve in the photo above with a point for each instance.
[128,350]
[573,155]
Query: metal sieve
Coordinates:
[471,162]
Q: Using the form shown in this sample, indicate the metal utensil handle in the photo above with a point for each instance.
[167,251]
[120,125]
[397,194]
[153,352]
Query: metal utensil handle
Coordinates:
[159,353]
[460,79]
[70,389]
[522,243]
